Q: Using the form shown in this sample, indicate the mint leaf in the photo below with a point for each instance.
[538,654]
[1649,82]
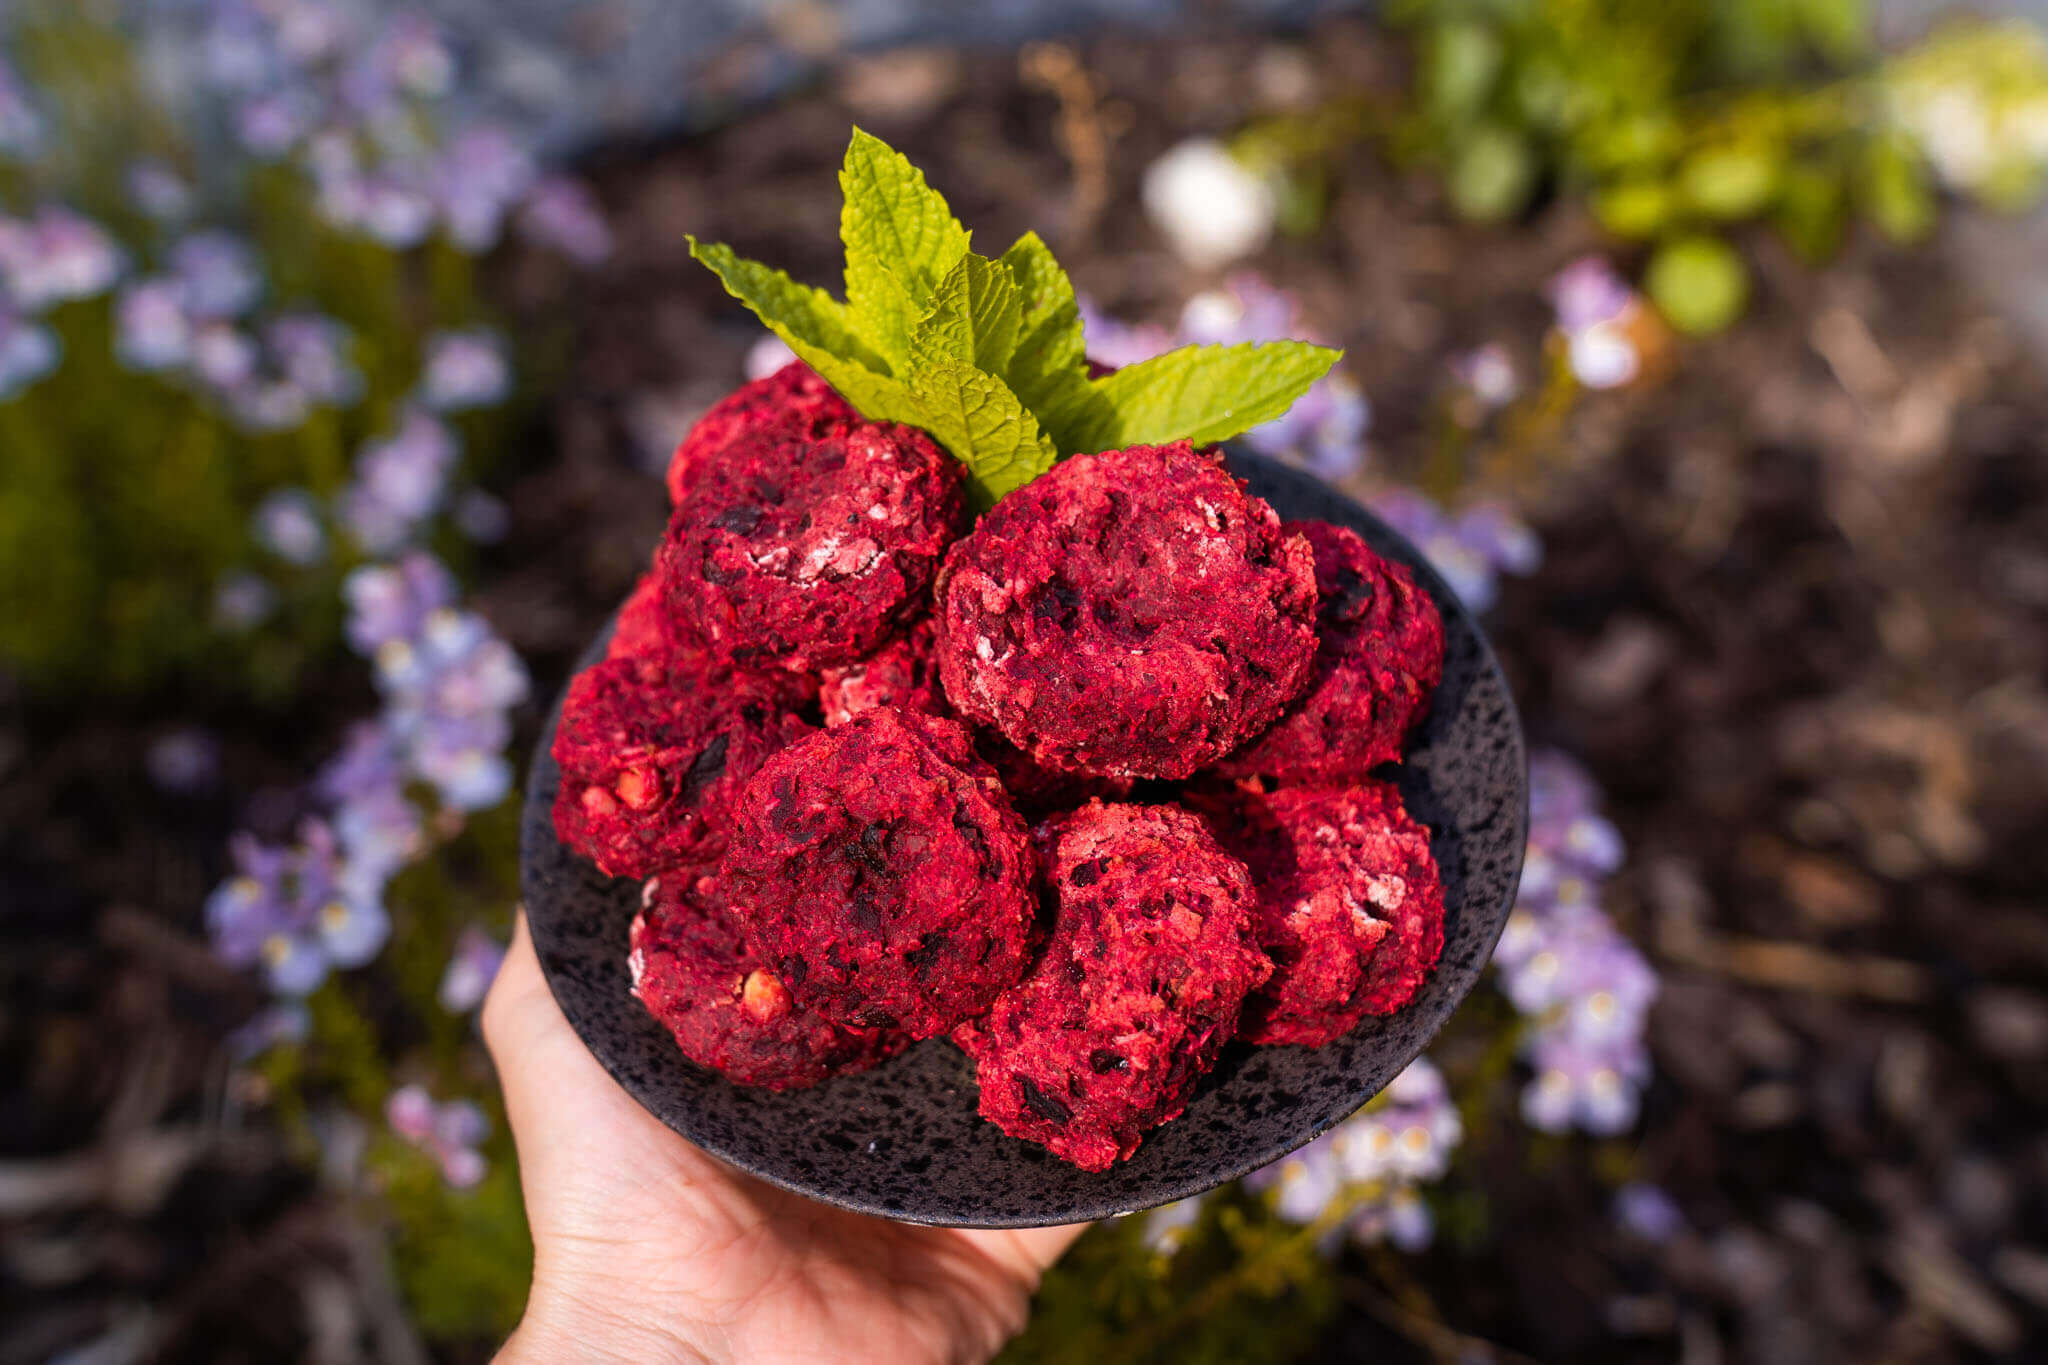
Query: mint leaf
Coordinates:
[1203,394]
[974,317]
[900,239]
[974,415]
[798,313]
[1049,370]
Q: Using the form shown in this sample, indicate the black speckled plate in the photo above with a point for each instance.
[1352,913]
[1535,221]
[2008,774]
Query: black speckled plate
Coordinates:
[904,1141]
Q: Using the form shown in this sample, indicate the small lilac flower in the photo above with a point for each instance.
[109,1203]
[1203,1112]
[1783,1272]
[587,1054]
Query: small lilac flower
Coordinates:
[368,763]
[466,369]
[450,1132]
[561,214]
[1471,550]
[470,971]
[152,331]
[183,761]
[1593,1088]
[29,352]
[243,601]
[295,911]
[379,832]
[481,517]
[408,57]
[448,691]
[308,32]
[1647,1212]
[272,123]
[484,172]
[390,206]
[1167,1226]
[21,126]
[56,257]
[280,1022]
[287,523]
[391,602]
[158,191]
[223,357]
[767,355]
[1400,1216]
[236,54]
[1594,310]
[311,352]
[400,481]
[1117,344]
[268,405]
[1488,374]
[219,272]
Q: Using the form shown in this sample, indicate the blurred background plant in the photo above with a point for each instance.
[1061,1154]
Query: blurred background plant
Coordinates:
[330,408]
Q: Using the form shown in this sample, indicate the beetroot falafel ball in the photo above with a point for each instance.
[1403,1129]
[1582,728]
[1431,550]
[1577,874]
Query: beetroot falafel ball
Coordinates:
[795,397]
[1351,908]
[644,627]
[692,970]
[1132,614]
[1140,985]
[878,868]
[653,751]
[802,549]
[902,673]
[1379,655]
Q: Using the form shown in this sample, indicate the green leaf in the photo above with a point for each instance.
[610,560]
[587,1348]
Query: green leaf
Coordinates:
[900,238]
[1699,283]
[975,313]
[1491,174]
[1049,370]
[801,314]
[975,416]
[1731,182]
[813,324]
[1205,393]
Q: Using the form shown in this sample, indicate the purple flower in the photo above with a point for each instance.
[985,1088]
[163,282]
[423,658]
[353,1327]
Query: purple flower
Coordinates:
[470,971]
[158,191]
[243,601]
[219,272]
[56,257]
[297,911]
[378,829]
[287,523]
[28,353]
[223,357]
[448,691]
[1471,550]
[1594,309]
[766,356]
[407,57]
[449,1132]
[272,123]
[484,172]
[183,761]
[236,54]
[312,353]
[1488,373]
[561,213]
[1118,344]
[391,602]
[368,764]
[21,127]
[400,481]
[390,203]
[152,331]
[1647,1212]
[282,1021]
[466,369]
[1167,1226]
[264,405]
[1578,1086]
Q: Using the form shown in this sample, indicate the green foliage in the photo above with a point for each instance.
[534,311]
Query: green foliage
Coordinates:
[987,354]
[1699,283]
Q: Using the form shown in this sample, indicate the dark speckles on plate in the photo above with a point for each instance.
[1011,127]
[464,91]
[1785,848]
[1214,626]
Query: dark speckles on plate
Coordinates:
[1465,777]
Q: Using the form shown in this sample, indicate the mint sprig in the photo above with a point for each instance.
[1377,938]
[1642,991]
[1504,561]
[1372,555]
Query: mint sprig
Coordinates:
[987,354]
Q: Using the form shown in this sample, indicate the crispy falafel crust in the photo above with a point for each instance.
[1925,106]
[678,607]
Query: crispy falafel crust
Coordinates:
[795,398]
[879,869]
[1140,984]
[693,971]
[1379,656]
[1128,614]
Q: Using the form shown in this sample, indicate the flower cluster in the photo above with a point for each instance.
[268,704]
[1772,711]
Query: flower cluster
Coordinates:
[1373,1162]
[1586,988]
[1471,548]
[1324,430]
[450,1132]
[53,258]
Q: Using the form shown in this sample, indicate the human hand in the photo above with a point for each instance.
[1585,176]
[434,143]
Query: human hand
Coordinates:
[648,1250]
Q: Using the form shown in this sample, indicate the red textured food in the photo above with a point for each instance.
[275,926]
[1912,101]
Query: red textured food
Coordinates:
[1351,909]
[1130,614]
[1140,985]
[1379,655]
[802,548]
[644,628]
[902,673]
[693,971]
[795,397]
[879,869]
[653,752]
